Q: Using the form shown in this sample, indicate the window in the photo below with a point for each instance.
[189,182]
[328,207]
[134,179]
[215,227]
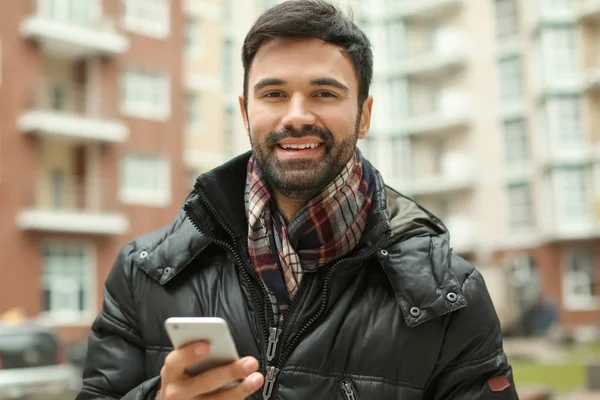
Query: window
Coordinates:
[193,36]
[511,81]
[74,12]
[67,281]
[148,17]
[145,179]
[228,63]
[146,94]
[557,5]
[560,55]
[515,142]
[520,207]
[564,122]
[396,40]
[194,111]
[580,289]
[507,23]
[573,204]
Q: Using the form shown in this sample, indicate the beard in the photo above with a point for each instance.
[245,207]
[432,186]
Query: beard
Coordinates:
[303,179]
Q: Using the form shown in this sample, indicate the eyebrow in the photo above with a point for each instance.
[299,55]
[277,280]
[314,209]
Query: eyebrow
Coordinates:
[265,82]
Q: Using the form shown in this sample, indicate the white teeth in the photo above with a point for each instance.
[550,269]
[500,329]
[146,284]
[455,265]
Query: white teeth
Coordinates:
[300,146]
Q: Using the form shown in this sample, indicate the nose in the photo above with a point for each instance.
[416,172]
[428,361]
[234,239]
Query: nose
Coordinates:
[298,113]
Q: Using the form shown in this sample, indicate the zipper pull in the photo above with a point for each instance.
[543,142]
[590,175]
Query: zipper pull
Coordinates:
[348,390]
[270,382]
[272,346]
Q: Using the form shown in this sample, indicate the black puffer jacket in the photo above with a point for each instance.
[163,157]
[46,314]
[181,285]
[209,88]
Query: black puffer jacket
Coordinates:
[400,318]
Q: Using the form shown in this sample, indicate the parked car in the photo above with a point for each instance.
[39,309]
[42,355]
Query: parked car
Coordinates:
[33,363]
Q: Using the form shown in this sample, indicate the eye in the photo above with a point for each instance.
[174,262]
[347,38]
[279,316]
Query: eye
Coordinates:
[273,95]
[325,94]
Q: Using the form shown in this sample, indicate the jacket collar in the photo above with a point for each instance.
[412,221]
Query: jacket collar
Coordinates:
[415,253]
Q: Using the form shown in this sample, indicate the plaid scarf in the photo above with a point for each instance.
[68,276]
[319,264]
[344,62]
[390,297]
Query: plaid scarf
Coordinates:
[327,228]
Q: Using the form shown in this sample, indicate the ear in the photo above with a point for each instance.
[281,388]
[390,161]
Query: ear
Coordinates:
[243,112]
[365,118]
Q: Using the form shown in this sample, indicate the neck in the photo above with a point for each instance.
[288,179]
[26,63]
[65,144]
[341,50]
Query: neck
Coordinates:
[288,207]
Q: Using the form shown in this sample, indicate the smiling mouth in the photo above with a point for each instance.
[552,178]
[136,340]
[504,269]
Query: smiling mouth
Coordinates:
[297,147]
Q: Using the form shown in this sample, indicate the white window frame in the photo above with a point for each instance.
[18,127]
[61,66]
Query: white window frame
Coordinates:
[507,21]
[62,11]
[510,79]
[158,29]
[516,147]
[565,178]
[159,196]
[146,82]
[585,277]
[194,37]
[564,122]
[194,106]
[520,206]
[560,56]
[66,318]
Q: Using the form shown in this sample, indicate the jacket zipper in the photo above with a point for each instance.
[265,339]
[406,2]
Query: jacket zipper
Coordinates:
[272,333]
[271,377]
[348,389]
[324,300]
[248,273]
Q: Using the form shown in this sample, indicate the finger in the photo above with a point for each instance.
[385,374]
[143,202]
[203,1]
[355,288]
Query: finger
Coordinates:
[246,388]
[179,359]
[216,378]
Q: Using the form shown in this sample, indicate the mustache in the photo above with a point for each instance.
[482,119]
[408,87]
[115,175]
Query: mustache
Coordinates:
[322,133]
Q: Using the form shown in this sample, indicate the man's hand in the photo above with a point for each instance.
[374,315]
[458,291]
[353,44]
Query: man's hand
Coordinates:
[176,384]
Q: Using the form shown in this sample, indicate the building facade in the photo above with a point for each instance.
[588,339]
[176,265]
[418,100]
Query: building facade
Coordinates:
[92,110]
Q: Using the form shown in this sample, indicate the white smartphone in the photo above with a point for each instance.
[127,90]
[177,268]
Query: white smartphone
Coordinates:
[215,331]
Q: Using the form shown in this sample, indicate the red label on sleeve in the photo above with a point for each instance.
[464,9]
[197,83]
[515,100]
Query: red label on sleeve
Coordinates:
[498,384]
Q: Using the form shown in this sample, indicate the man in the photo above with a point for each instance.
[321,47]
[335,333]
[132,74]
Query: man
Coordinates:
[334,286]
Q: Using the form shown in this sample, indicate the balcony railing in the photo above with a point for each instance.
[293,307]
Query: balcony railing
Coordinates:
[74,13]
[66,204]
[61,192]
[71,110]
[73,28]
[70,98]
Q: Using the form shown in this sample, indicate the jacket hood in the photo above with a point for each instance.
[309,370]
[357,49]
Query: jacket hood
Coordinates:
[411,244]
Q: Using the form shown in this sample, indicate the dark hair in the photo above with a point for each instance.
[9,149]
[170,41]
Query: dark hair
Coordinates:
[311,19]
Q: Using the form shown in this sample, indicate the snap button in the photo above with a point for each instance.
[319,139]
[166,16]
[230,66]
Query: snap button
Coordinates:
[452,297]
[384,253]
[167,271]
[415,312]
[144,254]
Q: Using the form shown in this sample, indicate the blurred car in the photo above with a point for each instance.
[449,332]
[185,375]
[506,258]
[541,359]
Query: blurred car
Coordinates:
[33,363]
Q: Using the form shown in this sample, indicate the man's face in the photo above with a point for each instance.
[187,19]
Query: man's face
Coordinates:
[303,117]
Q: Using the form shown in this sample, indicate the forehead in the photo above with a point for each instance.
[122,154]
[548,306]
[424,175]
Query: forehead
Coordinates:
[302,59]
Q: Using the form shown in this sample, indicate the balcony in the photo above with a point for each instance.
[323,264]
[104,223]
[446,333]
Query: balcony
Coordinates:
[73,112]
[456,175]
[452,113]
[426,10]
[69,28]
[448,56]
[61,205]
[589,9]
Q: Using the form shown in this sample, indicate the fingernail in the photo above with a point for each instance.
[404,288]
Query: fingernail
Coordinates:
[201,350]
[256,379]
[248,365]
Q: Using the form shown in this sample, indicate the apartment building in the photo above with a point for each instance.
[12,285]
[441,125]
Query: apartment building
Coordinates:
[204,60]
[91,121]
[487,113]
